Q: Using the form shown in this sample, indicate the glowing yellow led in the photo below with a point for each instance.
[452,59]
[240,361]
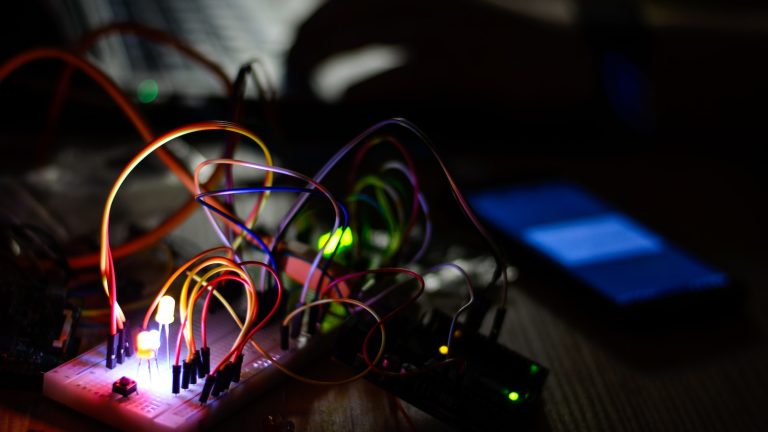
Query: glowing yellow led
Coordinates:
[443,349]
[514,396]
[338,240]
[165,310]
[147,343]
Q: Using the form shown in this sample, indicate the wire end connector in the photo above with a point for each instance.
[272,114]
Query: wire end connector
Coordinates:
[176,380]
[210,380]
[111,350]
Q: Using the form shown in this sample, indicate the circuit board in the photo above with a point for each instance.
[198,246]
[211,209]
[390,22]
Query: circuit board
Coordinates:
[486,384]
[85,384]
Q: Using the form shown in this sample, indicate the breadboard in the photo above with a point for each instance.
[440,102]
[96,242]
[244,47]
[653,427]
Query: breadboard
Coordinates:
[85,383]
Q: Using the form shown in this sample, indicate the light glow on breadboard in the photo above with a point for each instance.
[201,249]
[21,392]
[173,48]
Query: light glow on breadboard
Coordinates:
[85,385]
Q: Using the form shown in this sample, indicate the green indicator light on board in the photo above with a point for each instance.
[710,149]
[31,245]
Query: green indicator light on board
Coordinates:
[147,91]
[534,369]
[338,240]
[514,396]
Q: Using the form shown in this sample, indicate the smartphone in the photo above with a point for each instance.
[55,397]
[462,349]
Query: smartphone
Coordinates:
[596,245]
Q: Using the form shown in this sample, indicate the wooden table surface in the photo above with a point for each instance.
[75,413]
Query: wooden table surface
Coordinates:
[712,376]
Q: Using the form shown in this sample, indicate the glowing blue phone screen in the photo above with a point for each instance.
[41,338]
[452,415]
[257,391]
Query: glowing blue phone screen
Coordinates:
[607,250]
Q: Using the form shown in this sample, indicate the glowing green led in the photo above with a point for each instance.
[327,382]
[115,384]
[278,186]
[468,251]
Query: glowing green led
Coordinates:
[147,91]
[334,317]
[514,396]
[342,241]
[534,369]
[329,323]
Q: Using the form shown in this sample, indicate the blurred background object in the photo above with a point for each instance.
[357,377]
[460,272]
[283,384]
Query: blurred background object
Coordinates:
[511,76]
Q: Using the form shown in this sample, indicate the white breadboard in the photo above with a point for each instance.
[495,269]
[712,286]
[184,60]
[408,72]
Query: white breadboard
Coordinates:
[85,384]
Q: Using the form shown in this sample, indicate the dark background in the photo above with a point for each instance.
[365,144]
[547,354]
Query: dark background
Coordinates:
[617,80]
[664,118]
